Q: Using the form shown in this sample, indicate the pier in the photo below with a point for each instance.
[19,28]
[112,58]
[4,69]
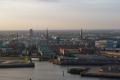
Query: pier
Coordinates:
[15,62]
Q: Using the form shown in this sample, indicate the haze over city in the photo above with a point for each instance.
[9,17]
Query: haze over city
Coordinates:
[59,40]
[59,14]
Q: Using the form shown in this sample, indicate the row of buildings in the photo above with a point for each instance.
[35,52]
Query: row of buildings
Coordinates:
[50,45]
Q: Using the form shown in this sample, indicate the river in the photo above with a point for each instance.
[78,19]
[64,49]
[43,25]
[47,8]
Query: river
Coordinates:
[42,71]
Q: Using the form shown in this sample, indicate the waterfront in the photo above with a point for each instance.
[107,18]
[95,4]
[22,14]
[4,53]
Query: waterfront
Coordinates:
[42,71]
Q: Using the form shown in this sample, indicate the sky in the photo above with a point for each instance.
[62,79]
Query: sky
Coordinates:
[59,14]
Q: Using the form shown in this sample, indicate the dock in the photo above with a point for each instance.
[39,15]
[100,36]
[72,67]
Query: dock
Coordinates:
[96,72]
[102,75]
[17,65]
[15,62]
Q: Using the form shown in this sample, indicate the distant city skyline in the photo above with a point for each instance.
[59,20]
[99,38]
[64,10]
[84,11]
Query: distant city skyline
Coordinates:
[59,14]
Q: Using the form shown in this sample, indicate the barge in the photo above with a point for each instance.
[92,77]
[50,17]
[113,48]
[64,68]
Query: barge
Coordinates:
[77,70]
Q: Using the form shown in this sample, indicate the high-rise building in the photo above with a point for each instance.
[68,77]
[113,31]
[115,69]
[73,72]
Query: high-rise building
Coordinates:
[31,33]
[17,36]
[81,34]
[47,36]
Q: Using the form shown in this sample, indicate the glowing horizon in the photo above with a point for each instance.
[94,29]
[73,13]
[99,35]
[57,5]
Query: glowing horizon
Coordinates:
[59,14]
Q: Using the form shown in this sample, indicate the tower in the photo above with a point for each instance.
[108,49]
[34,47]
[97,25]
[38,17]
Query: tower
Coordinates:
[81,34]
[31,33]
[31,36]
[47,36]
[17,36]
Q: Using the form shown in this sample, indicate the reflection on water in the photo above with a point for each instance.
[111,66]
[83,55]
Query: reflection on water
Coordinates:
[15,74]
[42,71]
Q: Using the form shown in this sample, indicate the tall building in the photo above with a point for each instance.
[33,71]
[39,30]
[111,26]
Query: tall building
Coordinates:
[47,36]
[31,33]
[81,34]
[17,36]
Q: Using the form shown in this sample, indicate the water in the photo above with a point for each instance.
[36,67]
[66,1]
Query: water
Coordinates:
[42,71]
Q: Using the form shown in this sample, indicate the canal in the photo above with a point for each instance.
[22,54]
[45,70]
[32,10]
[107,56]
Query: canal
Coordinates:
[42,71]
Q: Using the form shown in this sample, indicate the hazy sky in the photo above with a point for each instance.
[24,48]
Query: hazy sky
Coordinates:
[59,14]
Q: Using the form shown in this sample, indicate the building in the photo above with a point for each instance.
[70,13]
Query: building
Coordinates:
[106,44]
[31,33]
